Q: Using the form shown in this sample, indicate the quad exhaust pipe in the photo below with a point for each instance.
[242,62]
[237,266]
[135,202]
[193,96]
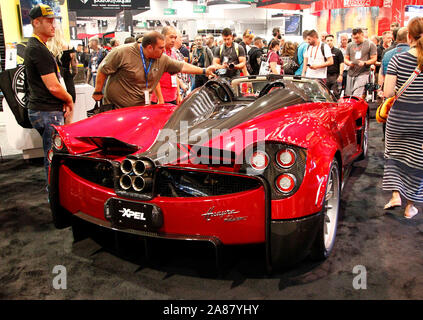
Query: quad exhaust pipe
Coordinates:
[137,174]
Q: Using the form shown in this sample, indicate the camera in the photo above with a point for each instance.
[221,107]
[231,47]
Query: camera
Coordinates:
[220,72]
[231,66]
[370,87]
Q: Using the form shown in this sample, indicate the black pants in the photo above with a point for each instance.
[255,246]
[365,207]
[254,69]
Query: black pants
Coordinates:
[332,84]
[344,79]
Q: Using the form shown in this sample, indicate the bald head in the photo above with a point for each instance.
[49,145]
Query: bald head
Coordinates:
[151,38]
[402,35]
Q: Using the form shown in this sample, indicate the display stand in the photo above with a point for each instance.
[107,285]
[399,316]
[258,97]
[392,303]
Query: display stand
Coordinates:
[29,140]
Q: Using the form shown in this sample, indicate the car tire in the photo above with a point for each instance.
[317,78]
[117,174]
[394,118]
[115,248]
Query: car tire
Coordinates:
[365,139]
[325,238]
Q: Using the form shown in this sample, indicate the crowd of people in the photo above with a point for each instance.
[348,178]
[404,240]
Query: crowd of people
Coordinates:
[344,63]
[158,68]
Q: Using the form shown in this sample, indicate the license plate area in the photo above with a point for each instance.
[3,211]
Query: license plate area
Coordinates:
[125,214]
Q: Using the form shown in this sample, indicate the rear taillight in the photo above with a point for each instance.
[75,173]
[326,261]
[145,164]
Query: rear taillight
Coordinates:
[285,158]
[50,155]
[282,165]
[259,160]
[57,142]
[285,183]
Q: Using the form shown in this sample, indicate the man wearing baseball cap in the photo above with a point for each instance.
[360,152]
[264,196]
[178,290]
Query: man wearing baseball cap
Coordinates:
[48,102]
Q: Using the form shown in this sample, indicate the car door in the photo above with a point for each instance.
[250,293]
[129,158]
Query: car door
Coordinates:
[343,124]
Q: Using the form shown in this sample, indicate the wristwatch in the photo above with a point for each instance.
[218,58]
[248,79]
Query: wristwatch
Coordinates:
[204,71]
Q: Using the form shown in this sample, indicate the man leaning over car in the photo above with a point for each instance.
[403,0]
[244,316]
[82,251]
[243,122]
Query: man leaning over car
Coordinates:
[134,70]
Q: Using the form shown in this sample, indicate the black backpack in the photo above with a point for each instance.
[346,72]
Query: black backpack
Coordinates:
[250,53]
[13,83]
[322,48]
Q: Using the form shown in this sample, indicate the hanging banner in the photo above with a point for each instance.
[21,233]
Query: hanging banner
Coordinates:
[199,8]
[356,3]
[99,8]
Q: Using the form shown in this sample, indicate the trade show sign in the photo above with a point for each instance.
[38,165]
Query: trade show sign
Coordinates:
[100,8]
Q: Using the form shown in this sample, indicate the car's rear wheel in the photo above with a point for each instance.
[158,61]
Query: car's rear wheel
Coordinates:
[365,138]
[325,238]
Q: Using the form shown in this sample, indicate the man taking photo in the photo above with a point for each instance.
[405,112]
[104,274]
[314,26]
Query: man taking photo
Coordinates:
[229,56]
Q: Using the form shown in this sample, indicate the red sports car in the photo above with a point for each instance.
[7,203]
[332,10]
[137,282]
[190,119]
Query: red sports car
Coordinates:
[259,159]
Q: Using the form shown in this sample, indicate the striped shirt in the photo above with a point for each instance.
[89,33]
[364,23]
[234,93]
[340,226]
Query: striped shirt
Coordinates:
[401,66]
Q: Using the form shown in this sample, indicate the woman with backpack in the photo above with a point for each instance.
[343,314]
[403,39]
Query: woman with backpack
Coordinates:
[287,56]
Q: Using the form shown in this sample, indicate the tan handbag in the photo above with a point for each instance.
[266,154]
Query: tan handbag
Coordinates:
[382,111]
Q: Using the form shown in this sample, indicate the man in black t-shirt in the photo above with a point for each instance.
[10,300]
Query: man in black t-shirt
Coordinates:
[336,70]
[48,103]
[255,54]
[229,56]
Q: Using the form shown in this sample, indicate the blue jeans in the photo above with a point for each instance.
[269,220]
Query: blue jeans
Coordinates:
[94,78]
[42,121]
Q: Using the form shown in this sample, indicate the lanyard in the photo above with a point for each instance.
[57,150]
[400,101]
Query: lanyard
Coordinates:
[146,70]
[317,50]
[38,38]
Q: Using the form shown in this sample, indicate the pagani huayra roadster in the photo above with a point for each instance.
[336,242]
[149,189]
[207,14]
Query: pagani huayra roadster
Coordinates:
[259,159]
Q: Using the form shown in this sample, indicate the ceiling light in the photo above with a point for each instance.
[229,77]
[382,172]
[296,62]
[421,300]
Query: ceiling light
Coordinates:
[228,4]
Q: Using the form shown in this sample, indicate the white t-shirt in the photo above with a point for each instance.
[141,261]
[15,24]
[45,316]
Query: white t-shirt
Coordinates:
[315,56]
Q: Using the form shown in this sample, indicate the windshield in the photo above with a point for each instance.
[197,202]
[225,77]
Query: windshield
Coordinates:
[250,89]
